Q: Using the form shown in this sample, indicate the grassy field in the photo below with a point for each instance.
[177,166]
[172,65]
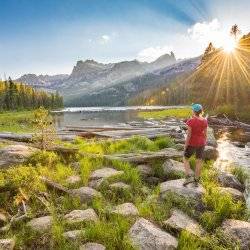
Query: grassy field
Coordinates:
[110,230]
[175,112]
[18,122]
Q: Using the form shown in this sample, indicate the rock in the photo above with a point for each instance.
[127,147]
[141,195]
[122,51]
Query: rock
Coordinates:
[120,186]
[145,235]
[74,179]
[236,194]
[238,230]
[105,173]
[146,157]
[73,235]
[15,154]
[210,153]
[152,180]
[176,186]
[92,246]
[181,221]
[126,209]
[96,183]
[86,194]
[172,167]
[211,140]
[180,146]
[229,180]
[144,170]
[41,224]
[7,244]
[76,165]
[76,216]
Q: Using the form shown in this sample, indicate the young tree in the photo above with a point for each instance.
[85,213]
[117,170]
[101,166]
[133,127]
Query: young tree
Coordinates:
[235,31]
[46,133]
[210,48]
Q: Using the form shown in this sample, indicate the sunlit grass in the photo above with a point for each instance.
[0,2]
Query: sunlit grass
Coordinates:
[175,112]
[18,122]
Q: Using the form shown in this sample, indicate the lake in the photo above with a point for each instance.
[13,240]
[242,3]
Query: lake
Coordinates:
[229,151]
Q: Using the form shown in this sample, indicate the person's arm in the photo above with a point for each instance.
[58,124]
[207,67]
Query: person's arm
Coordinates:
[189,132]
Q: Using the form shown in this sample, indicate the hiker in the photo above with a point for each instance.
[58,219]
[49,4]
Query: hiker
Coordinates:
[195,143]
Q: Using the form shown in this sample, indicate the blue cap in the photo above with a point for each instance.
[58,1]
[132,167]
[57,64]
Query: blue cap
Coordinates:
[196,107]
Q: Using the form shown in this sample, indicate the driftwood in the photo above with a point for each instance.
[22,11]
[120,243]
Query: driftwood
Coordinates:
[225,122]
[54,186]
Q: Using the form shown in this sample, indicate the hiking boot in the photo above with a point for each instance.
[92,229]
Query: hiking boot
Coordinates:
[188,179]
[196,181]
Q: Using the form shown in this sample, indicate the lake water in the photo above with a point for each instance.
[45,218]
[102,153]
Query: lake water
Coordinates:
[229,153]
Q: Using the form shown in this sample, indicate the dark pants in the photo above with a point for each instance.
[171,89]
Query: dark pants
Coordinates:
[197,151]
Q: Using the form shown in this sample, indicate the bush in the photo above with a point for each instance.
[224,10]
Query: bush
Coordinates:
[241,174]
[44,158]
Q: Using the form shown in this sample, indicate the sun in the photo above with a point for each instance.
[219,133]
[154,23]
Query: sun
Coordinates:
[229,45]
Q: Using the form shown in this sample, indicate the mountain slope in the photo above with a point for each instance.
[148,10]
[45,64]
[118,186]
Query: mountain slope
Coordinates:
[221,79]
[121,92]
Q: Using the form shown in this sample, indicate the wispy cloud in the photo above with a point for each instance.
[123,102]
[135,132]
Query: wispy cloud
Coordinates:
[152,53]
[105,39]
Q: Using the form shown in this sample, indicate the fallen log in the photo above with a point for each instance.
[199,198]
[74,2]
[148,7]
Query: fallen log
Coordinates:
[145,157]
[54,186]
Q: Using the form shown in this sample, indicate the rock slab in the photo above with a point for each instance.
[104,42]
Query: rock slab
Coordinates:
[41,224]
[238,230]
[145,235]
[180,221]
[72,235]
[86,194]
[104,173]
[76,216]
[176,186]
[126,209]
[229,180]
[92,246]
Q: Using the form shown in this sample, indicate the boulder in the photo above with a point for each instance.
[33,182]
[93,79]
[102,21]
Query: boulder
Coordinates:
[92,246]
[74,179]
[229,180]
[73,235]
[172,167]
[181,221]
[105,173]
[76,216]
[145,235]
[86,194]
[236,194]
[144,170]
[126,209]
[15,154]
[7,244]
[210,153]
[176,186]
[41,224]
[96,183]
[152,180]
[238,230]
[119,186]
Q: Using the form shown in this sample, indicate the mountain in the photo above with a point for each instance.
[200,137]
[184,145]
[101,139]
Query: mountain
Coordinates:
[42,80]
[90,79]
[121,92]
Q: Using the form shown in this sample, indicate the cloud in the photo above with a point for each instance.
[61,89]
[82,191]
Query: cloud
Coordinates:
[152,53]
[207,31]
[104,39]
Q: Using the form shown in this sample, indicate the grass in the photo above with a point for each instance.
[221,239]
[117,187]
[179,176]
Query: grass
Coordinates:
[112,230]
[131,145]
[162,114]
[16,121]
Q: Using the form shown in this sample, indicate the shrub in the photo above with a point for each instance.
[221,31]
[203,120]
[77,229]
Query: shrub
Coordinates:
[44,158]
[241,174]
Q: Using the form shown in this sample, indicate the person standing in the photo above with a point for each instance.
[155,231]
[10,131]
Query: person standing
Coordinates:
[195,143]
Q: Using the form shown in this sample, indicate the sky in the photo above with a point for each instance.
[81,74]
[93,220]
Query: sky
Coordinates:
[49,36]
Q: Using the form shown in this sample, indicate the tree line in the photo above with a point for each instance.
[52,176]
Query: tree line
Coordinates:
[17,96]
